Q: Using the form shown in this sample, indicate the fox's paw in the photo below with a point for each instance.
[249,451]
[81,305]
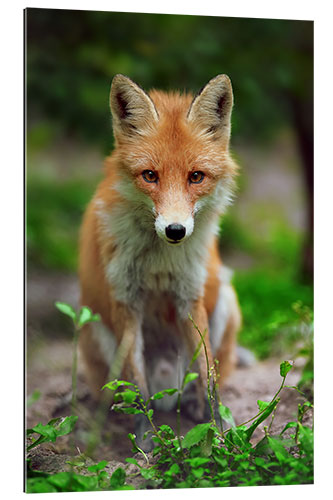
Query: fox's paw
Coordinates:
[244,357]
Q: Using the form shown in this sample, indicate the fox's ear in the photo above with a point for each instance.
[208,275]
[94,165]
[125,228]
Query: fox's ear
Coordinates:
[132,109]
[211,109]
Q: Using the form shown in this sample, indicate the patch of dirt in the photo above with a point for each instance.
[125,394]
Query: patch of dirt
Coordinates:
[48,368]
[49,371]
[44,288]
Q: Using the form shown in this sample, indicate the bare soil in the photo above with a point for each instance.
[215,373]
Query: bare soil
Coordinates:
[49,362]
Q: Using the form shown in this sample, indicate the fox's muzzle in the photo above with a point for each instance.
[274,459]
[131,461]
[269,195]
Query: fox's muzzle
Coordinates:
[175,232]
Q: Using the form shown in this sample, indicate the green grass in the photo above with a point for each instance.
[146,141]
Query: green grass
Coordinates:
[267,299]
[271,288]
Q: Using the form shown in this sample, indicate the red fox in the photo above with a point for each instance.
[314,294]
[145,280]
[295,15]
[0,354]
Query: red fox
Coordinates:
[148,249]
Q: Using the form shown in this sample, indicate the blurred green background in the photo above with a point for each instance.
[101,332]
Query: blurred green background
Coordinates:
[71,57]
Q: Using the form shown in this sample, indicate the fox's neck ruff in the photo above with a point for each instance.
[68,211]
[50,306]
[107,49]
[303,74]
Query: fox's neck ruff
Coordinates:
[142,262]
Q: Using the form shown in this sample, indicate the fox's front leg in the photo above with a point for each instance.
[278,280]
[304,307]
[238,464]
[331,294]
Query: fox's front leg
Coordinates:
[130,360]
[200,322]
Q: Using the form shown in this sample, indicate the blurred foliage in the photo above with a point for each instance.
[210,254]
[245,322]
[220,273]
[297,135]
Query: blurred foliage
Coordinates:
[73,55]
[270,324]
[269,290]
[54,213]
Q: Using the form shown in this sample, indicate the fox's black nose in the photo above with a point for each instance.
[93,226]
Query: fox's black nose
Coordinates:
[175,232]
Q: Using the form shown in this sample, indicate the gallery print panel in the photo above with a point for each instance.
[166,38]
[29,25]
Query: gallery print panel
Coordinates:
[169,251]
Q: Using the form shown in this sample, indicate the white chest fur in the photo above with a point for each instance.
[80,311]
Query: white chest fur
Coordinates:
[143,263]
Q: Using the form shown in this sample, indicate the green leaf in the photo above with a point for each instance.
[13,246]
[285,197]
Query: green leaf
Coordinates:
[226,415]
[174,469]
[278,449]
[223,462]
[85,483]
[189,377]
[167,431]
[117,479]
[132,461]
[147,473]
[100,466]
[128,396]
[47,431]
[260,462]
[135,448]
[38,441]
[197,461]
[114,384]
[198,473]
[285,367]
[196,353]
[205,483]
[269,409]
[206,443]
[86,316]
[53,429]
[127,410]
[305,437]
[262,404]
[202,337]
[40,485]
[67,425]
[161,394]
[76,462]
[262,447]
[288,426]
[33,397]
[61,480]
[237,436]
[103,475]
[67,310]
[196,435]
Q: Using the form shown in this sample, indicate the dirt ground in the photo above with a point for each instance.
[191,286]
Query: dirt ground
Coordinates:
[48,367]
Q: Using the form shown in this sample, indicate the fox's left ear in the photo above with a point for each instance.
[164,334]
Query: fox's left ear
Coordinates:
[211,109]
[132,109]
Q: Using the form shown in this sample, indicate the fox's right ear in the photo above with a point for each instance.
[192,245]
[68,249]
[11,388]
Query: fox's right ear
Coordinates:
[133,111]
[210,110]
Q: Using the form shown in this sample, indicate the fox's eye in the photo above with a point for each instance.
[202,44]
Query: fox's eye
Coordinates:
[196,177]
[149,176]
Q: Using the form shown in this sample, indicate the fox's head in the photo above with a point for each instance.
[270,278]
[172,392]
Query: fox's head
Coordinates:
[173,151]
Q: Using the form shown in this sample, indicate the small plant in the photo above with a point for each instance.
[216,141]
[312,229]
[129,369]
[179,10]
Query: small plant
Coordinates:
[95,477]
[54,428]
[306,349]
[84,316]
[209,456]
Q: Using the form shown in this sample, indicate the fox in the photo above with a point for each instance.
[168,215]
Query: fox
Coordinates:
[149,259]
